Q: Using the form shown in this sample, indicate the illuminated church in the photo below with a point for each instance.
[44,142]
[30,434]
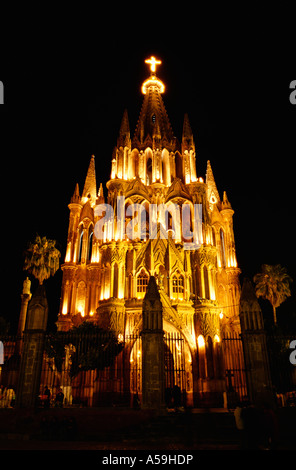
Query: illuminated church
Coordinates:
[105,279]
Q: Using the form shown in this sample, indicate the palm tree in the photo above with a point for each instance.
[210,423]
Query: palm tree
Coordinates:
[42,258]
[273,284]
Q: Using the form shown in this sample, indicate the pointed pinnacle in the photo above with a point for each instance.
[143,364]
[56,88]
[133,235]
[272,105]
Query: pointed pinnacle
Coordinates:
[210,181]
[187,132]
[248,298]
[124,126]
[152,289]
[90,185]
[124,131]
[225,203]
[101,191]
[76,195]
[187,135]
[100,198]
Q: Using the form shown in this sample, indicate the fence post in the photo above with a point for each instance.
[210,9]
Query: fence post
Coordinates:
[33,347]
[254,344]
[152,349]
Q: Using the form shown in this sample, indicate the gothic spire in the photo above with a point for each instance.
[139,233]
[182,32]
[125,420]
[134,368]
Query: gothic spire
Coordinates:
[225,203]
[76,196]
[187,136]
[124,132]
[90,185]
[100,198]
[153,119]
[213,194]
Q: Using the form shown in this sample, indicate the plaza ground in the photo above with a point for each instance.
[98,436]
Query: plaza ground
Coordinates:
[127,429]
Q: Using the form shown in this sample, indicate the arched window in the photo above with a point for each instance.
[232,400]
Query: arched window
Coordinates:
[206,282]
[209,358]
[132,163]
[178,162]
[115,280]
[214,236]
[149,171]
[170,221]
[144,217]
[218,358]
[142,283]
[222,248]
[166,172]
[178,286]
[201,357]
[130,286]
[80,243]
[90,243]
[186,223]
[80,299]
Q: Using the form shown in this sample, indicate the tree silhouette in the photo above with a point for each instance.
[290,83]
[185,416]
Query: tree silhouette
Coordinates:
[93,348]
[42,258]
[273,284]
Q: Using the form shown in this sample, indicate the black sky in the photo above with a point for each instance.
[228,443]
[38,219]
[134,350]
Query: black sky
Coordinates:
[64,100]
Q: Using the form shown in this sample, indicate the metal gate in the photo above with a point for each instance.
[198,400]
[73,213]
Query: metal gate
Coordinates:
[175,373]
[234,366]
[94,370]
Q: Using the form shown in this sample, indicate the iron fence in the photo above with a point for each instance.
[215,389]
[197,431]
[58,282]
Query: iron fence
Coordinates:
[283,373]
[98,370]
[91,369]
[175,371]
[9,369]
[95,369]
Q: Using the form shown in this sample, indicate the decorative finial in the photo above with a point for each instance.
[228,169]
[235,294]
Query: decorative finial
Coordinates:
[26,286]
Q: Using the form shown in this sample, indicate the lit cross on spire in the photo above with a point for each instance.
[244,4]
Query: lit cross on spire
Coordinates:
[152,82]
[153,63]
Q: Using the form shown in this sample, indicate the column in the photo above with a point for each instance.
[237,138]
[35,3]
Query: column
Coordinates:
[33,348]
[152,350]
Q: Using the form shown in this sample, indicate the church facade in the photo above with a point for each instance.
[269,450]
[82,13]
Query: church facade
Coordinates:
[156,208]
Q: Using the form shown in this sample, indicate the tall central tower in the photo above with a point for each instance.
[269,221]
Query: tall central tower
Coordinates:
[153,181]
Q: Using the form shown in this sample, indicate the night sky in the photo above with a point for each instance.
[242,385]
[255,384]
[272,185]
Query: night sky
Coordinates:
[64,100]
